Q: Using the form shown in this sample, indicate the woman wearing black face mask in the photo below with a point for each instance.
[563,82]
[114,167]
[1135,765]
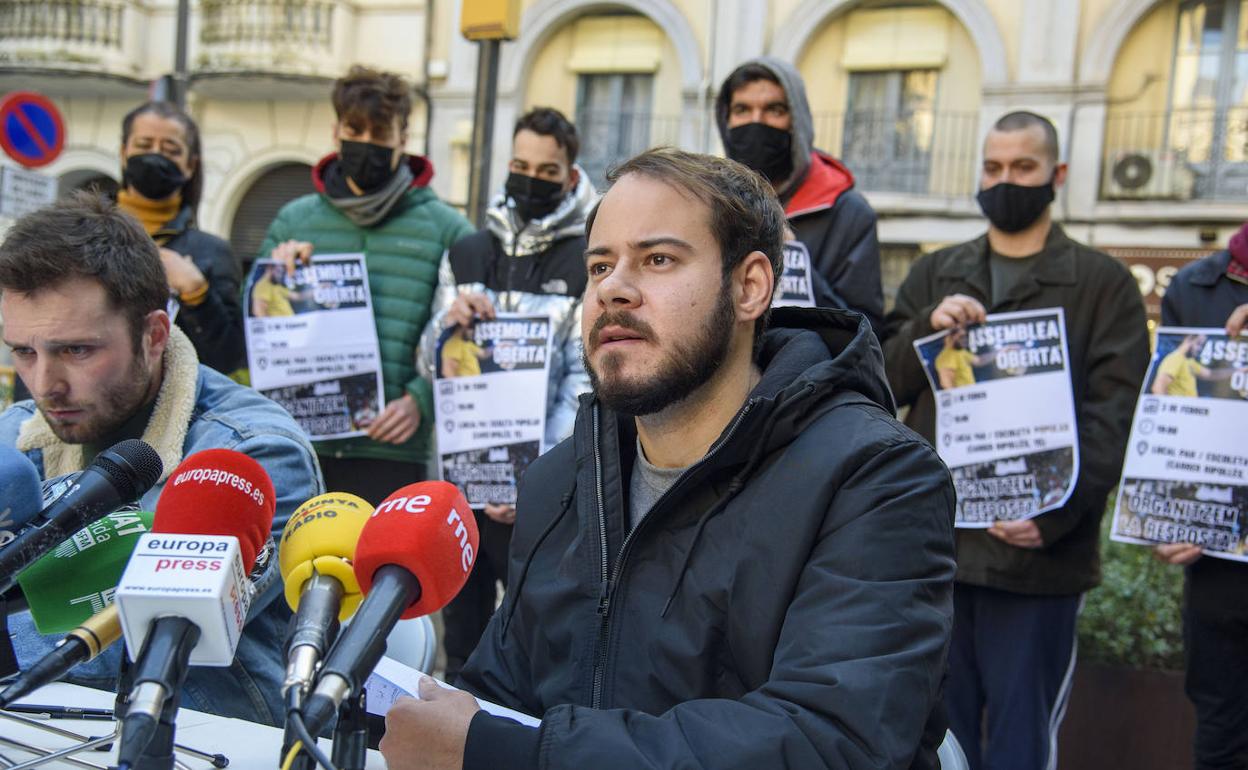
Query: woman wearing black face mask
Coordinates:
[162,179]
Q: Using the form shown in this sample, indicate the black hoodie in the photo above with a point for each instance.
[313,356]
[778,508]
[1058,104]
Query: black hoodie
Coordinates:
[786,604]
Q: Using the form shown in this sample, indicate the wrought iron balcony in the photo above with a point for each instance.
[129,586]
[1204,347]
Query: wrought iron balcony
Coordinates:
[1186,154]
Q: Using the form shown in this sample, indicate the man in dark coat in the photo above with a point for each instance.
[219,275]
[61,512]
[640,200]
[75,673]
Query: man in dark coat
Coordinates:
[1020,583]
[1213,292]
[740,559]
[765,122]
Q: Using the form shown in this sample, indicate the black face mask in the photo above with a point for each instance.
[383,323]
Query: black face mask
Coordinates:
[767,150]
[1013,208]
[366,164]
[153,176]
[534,198]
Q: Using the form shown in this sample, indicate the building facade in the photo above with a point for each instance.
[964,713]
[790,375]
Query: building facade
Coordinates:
[1150,97]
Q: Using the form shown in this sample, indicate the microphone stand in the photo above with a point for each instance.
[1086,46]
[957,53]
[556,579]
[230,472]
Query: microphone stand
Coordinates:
[158,755]
[351,734]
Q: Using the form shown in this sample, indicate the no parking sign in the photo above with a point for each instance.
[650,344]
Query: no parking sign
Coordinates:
[31,129]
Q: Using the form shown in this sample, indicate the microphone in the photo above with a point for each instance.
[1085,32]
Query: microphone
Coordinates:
[71,590]
[21,493]
[184,595]
[413,556]
[314,557]
[117,476]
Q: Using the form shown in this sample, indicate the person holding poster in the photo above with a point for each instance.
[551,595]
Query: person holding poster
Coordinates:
[373,198]
[1213,292]
[832,253]
[1020,581]
[528,259]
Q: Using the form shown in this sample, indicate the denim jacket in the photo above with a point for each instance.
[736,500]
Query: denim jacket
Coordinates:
[196,409]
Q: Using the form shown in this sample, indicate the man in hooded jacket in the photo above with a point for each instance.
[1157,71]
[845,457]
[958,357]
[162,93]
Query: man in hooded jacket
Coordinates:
[765,122]
[740,559]
[528,259]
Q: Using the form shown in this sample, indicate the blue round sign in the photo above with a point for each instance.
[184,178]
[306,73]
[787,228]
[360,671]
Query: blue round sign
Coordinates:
[31,129]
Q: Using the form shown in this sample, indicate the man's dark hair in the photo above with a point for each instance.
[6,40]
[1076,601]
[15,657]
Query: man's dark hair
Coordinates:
[371,99]
[1022,120]
[86,236]
[193,190]
[745,214]
[742,76]
[548,121]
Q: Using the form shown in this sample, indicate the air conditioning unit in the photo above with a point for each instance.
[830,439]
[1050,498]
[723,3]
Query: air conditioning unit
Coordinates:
[1148,175]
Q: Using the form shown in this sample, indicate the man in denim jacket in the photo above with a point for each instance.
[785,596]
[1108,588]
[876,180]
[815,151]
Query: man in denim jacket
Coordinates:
[83,297]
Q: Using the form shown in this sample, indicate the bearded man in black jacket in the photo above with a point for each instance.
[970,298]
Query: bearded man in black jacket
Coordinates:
[739,559]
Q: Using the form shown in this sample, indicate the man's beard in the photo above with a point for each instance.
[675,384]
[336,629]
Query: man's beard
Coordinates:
[116,404]
[692,361]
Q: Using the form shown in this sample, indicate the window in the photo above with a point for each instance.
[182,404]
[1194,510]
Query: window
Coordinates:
[1209,95]
[613,114]
[889,126]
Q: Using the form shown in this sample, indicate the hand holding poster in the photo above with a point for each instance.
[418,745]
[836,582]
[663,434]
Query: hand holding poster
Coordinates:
[490,400]
[1005,414]
[1185,476]
[312,343]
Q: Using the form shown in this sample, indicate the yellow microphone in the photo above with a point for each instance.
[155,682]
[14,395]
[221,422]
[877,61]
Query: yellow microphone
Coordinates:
[315,559]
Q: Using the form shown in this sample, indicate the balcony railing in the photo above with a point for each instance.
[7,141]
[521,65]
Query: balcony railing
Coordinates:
[923,153]
[80,22]
[291,36]
[1177,155]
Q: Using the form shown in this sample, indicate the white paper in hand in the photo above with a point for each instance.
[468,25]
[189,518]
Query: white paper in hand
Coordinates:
[392,680]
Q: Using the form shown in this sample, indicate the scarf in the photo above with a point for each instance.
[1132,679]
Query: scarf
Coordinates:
[368,210]
[153,215]
[524,239]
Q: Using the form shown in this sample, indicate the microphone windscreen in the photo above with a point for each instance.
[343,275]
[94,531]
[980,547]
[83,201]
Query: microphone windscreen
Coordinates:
[219,492]
[428,529]
[320,537]
[21,492]
[77,579]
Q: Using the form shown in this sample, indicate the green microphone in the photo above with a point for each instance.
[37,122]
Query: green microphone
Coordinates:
[77,579]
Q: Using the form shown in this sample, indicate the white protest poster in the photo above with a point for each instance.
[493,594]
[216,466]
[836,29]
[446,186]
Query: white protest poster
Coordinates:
[1005,414]
[796,287]
[312,344]
[490,400]
[1185,476]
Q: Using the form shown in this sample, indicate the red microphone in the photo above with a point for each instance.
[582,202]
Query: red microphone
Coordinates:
[184,596]
[413,556]
[219,492]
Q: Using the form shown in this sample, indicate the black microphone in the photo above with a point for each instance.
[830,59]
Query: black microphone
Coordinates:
[117,476]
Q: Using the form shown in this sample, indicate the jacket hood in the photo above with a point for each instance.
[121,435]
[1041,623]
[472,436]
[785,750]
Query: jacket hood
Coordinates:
[799,108]
[826,180]
[420,166]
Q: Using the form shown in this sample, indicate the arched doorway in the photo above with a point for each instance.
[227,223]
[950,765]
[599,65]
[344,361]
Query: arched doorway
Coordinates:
[273,189]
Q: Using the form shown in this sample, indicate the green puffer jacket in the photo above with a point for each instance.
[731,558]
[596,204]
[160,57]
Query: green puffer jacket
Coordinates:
[402,253]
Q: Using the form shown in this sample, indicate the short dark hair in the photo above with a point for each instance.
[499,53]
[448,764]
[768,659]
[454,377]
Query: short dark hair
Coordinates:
[369,98]
[745,213]
[742,76]
[547,121]
[1021,120]
[193,190]
[86,236]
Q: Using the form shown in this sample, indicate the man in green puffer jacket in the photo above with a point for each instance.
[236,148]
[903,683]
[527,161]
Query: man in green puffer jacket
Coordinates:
[373,198]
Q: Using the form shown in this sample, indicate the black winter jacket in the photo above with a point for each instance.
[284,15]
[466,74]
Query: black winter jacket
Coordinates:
[1107,334]
[786,604]
[1203,295]
[216,325]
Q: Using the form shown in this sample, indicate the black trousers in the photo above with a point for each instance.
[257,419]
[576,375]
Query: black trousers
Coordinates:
[1215,642]
[466,617]
[372,480]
